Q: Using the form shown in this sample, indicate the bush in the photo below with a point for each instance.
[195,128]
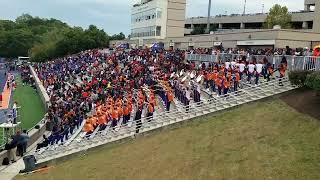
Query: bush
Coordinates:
[313,81]
[298,77]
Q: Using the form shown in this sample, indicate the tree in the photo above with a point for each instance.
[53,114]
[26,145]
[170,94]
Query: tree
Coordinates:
[198,30]
[7,25]
[278,15]
[44,39]
[16,42]
[313,81]
[213,28]
[47,48]
[99,37]
[24,18]
[119,36]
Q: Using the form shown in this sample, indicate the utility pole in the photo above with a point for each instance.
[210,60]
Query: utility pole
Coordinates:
[209,14]
[262,8]
[244,8]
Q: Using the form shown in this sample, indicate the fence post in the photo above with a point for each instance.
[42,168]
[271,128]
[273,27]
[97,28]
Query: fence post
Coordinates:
[292,63]
[304,63]
[273,61]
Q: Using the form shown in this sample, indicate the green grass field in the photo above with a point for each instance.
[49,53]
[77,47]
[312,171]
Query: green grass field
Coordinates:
[32,109]
[263,140]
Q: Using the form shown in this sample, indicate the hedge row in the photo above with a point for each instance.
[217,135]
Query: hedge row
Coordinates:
[305,78]
[313,81]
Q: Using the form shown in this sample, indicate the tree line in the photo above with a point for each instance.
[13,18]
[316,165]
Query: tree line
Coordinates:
[44,39]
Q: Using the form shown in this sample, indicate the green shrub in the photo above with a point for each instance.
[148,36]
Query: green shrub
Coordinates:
[313,81]
[298,77]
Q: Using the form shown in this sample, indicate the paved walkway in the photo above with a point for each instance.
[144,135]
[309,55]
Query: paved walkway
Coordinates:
[12,170]
[9,172]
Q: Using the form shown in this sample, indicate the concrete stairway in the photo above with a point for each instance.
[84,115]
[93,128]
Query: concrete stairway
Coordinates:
[206,106]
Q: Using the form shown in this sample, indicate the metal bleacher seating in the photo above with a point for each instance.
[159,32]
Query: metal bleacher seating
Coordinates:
[207,105]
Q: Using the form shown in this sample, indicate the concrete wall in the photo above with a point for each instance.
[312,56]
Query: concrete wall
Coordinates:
[316,22]
[298,35]
[41,90]
[176,18]
[293,38]
[292,44]
[282,38]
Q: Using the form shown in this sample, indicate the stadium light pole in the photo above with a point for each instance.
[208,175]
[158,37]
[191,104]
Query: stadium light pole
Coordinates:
[244,7]
[208,18]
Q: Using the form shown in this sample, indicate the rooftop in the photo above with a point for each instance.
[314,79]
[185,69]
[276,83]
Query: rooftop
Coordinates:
[142,3]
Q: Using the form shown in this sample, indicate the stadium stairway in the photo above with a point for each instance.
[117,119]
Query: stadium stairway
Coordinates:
[248,94]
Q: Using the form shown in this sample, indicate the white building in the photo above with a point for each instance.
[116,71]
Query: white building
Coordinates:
[164,20]
[157,19]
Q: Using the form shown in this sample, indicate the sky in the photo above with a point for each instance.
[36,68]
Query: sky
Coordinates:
[114,15]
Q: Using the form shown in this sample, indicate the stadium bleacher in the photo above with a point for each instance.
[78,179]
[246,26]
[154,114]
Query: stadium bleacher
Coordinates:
[83,86]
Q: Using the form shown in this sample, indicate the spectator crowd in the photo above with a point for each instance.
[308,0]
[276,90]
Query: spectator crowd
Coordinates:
[92,90]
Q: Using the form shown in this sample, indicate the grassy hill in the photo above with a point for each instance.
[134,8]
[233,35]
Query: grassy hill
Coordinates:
[263,140]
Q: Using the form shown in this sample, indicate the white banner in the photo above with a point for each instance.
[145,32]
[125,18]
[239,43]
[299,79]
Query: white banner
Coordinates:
[218,43]
[191,44]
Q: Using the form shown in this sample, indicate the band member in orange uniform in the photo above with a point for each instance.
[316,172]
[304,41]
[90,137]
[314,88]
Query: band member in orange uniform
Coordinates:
[226,85]
[170,98]
[88,128]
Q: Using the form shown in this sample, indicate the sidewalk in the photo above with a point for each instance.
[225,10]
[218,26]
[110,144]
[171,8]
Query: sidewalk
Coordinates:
[9,172]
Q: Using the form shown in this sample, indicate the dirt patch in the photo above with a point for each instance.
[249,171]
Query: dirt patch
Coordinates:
[305,101]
